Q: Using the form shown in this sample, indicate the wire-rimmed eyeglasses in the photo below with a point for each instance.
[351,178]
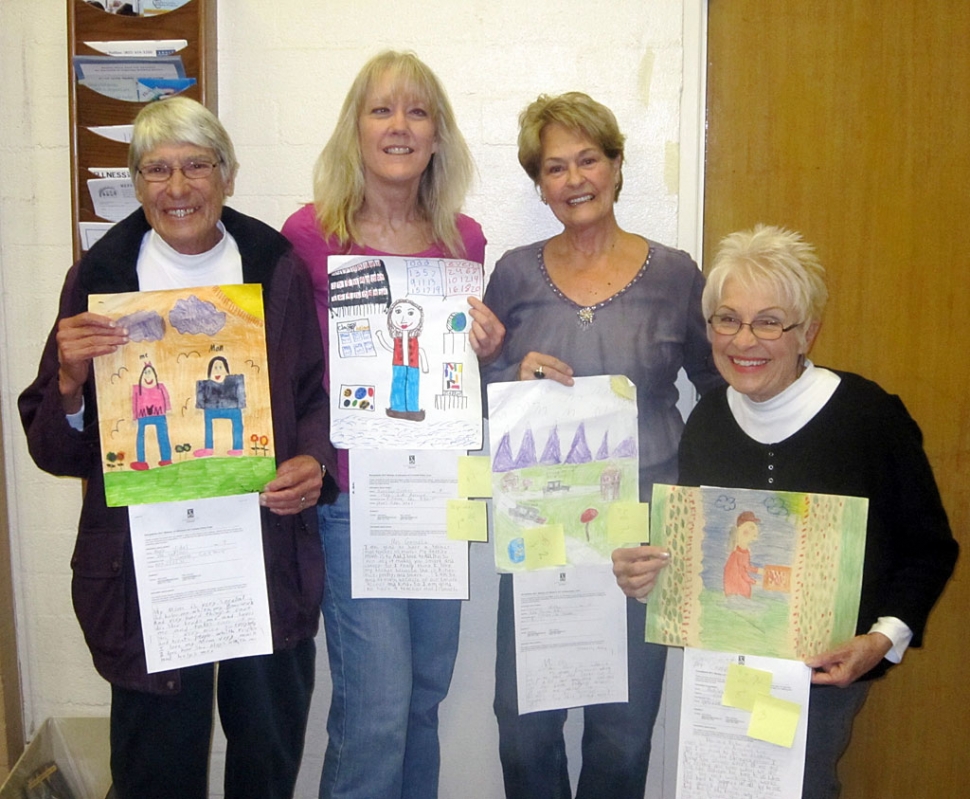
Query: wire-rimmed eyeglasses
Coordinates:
[765,327]
[160,172]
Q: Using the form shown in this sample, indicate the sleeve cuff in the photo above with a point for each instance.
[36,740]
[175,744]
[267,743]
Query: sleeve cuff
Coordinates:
[897,632]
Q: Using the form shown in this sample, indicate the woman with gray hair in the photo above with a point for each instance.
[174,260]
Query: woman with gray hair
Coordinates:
[592,300]
[390,181]
[183,166]
[783,423]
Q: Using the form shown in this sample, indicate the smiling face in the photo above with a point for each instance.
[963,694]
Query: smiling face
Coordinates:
[405,317]
[148,377]
[184,212]
[754,367]
[218,370]
[397,133]
[576,178]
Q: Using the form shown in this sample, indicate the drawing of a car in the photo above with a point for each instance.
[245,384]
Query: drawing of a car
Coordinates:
[554,485]
[527,513]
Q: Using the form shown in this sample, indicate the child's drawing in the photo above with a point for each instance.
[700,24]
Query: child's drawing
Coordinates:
[415,309]
[739,574]
[545,471]
[149,405]
[199,425]
[221,396]
[405,320]
[762,572]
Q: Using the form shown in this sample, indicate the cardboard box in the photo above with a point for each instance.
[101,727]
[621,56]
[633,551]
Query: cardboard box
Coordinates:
[81,749]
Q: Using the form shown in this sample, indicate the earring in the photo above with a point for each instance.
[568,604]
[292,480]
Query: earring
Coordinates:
[542,197]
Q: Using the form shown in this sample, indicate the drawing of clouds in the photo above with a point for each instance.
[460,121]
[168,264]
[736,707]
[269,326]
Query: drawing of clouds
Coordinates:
[144,325]
[724,502]
[193,316]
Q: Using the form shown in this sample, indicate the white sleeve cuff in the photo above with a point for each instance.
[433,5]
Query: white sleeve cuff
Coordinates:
[897,632]
[76,420]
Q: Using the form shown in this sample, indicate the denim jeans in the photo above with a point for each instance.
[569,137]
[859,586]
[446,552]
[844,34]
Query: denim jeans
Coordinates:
[616,736]
[391,662]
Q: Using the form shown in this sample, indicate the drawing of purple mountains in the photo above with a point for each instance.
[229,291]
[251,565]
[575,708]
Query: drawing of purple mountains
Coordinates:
[527,452]
[579,449]
[552,454]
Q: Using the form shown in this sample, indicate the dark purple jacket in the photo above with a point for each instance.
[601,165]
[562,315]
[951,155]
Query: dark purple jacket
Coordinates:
[104,593]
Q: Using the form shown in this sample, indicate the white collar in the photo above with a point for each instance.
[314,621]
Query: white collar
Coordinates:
[789,411]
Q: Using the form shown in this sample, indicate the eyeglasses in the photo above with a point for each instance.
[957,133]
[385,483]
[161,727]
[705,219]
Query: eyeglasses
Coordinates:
[764,328]
[192,170]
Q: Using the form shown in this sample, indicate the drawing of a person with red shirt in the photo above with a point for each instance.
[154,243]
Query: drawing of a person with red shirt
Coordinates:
[404,322]
[738,570]
[149,404]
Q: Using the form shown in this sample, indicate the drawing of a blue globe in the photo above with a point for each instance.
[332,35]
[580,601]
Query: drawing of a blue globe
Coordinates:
[457,322]
[517,550]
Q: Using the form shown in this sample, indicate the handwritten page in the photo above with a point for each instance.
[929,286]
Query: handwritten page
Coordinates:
[201,580]
[399,525]
[570,638]
[716,756]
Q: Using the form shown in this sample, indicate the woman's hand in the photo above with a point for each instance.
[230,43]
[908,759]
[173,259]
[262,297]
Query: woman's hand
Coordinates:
[539,366]
[636,569]
[847,663]
[79,339]
[296,487]
[487,333]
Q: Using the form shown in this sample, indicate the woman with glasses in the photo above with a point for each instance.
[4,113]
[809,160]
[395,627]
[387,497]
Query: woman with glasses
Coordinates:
[390,181]
[184,165]
[783,423]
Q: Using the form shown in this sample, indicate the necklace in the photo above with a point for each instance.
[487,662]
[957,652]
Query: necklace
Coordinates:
[586,314]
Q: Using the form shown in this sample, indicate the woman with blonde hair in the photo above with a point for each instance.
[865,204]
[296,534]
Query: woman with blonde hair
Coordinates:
[391,181]
[785,424]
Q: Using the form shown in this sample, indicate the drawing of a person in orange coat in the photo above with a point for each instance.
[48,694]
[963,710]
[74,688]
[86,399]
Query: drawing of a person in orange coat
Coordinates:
[738,570]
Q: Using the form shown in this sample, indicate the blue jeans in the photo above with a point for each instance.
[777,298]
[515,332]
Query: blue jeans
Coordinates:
[391,662]
[616,737]
[161,433]
[234,415]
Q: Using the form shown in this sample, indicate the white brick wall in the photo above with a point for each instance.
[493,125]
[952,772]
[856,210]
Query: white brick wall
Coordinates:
[284,67]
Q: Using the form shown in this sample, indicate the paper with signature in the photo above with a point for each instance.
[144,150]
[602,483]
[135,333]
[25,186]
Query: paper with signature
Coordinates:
[570,638]
[716,756]
[399,525]
[201,580]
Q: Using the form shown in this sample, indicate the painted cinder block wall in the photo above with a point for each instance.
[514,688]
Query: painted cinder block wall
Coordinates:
[284,68]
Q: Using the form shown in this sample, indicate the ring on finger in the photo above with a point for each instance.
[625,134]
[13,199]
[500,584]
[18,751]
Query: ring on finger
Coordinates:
[539,372]
[303,502]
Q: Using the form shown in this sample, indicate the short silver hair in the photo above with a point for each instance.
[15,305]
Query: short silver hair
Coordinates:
[181,120]
[774,258]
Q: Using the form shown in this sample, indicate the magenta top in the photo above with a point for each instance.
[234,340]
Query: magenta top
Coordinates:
[304,233]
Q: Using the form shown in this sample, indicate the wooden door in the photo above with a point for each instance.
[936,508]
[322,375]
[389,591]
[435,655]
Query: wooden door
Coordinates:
[849,121]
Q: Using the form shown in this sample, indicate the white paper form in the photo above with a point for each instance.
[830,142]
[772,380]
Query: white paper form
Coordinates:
[201,580]
[716,757]
[398,525]
[113,198]
[570,638]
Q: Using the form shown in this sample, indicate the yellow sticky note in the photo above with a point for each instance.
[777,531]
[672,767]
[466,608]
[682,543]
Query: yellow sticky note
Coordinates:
[544,546]
[744,685]
[774,720]
[467,520]
[474,476]
[628,522]
[622,387]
